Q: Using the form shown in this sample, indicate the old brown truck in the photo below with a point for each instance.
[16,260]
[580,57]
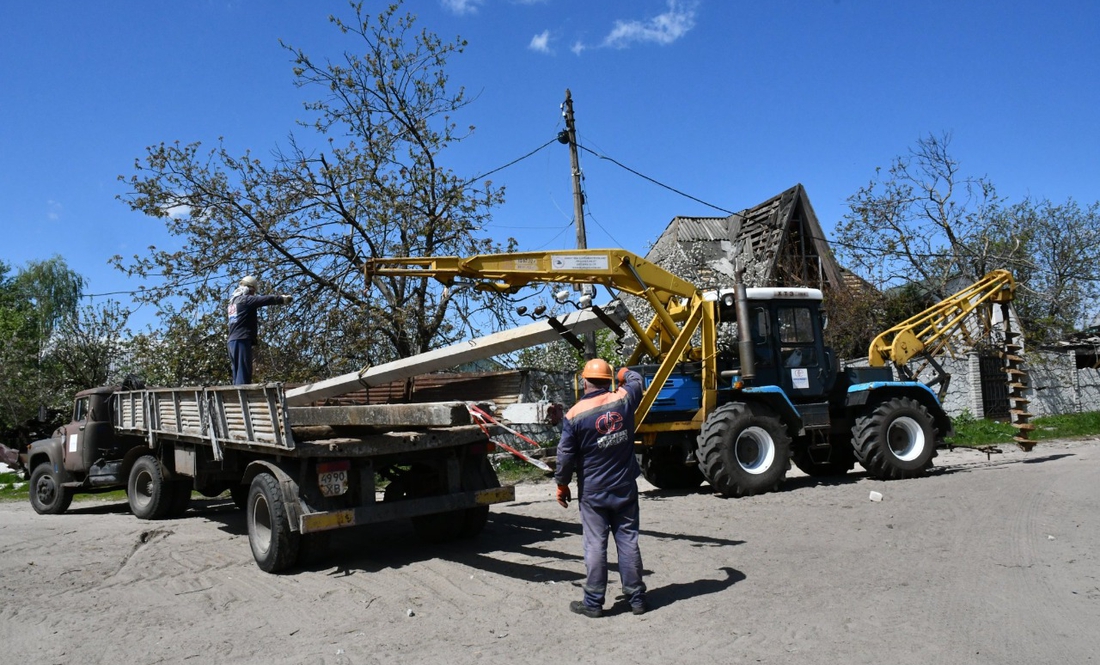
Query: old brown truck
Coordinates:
[299,472]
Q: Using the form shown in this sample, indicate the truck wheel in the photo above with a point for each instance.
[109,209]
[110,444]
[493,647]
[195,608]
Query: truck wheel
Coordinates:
[477,474]
[744,450]
[274,545]
[837,460]
[149,494]
[48,495]
[896,440]
[664,468]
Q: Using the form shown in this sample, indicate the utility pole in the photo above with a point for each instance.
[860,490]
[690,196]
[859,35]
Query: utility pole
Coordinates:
[570,136]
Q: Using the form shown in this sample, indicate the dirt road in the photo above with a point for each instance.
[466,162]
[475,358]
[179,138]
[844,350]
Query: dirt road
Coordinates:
[986,561]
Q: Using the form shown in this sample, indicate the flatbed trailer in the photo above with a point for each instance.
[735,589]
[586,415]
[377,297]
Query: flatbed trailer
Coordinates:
[299,472]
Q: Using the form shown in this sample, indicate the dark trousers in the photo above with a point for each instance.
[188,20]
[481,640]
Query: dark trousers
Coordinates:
[616,512]
[240,358]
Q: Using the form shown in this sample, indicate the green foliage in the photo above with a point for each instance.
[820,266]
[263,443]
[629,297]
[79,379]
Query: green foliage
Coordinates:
[1064,426]
[186,352]
[561,356]
[969,431]
[511,471]
[369,182]
[12,487]
[36,306]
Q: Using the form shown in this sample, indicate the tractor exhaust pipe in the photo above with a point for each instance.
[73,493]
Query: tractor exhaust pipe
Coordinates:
[744,332]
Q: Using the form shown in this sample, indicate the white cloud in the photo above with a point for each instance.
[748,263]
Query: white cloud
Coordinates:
[462,7]
[541,42]
[578,48]
[53,210]
[662,29]
[178,212]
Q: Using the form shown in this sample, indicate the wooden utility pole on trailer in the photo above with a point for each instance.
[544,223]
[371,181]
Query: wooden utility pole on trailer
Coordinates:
[570,136]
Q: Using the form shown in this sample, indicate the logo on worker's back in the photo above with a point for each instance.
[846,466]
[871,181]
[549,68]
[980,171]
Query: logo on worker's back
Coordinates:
[612,421]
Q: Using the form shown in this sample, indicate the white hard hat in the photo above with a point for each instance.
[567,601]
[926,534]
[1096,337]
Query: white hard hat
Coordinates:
[250,281]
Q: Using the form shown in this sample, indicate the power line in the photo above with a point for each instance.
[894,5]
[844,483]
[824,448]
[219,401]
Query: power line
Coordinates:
[654,181]
[511,163]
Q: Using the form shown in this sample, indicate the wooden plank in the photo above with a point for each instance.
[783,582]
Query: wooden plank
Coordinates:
[540,332]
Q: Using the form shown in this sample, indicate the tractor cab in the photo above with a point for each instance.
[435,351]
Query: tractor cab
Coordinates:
[786,325]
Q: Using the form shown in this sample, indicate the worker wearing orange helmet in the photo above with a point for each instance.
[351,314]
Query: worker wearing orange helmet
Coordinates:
[597,444]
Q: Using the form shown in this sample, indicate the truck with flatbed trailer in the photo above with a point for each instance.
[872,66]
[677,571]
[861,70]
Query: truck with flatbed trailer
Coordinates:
[300,468]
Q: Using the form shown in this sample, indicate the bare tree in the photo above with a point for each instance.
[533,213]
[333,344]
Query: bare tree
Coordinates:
[923,223]
[305,220]
[929,227]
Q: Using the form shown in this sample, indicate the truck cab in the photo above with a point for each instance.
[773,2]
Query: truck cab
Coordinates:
[84,454]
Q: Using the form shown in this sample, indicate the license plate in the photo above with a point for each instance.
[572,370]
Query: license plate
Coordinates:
[332,478]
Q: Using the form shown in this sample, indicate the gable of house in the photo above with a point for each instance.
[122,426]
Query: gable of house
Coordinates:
[778,242]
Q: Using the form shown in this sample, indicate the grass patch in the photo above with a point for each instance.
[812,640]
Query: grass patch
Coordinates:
[511,471]
[12,487]
[971,432]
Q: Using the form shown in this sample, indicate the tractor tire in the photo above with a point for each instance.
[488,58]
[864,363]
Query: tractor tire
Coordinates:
[841,460]
[895,440]
[48,496]
[274,544]
[477,474]
[664,468]
[744,450]
[149,493]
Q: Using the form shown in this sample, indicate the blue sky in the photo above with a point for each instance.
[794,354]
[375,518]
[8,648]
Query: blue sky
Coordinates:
[729,101]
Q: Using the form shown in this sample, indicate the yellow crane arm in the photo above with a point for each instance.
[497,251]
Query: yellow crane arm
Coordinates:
[675,301]
[935,327]
[613,268]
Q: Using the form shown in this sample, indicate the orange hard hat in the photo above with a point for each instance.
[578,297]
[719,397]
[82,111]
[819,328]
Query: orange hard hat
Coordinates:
[598,369]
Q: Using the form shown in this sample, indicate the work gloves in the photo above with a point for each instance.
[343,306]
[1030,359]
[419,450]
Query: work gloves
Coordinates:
[564,496]
[621,375]
[286,299]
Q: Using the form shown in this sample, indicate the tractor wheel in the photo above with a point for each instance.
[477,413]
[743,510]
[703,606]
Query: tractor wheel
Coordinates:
[274,544]
[477,474]
[744,450]
[148,492]
[836,460]
[664,468]
[896,440]
[48,496]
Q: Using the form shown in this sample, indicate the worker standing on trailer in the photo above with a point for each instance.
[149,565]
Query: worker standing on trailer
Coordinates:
[597,443]
[244,326]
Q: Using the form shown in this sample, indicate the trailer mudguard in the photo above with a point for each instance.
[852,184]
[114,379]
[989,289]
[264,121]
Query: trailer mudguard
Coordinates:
[287,484]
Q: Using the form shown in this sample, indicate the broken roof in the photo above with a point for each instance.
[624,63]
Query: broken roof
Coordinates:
[779,242]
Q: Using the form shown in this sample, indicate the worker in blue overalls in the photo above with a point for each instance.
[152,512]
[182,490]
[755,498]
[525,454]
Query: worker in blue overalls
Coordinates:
[597,443]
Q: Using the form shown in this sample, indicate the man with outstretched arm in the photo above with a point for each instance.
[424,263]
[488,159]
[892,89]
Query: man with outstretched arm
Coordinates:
[244,326]
[597,443]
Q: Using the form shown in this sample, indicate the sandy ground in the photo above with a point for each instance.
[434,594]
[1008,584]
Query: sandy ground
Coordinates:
[985,561]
